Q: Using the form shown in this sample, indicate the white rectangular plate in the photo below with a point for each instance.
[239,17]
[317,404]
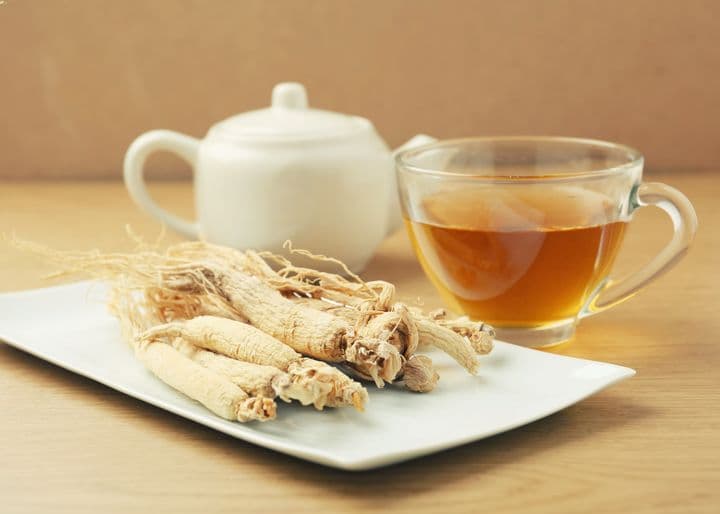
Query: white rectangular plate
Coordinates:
[70,327]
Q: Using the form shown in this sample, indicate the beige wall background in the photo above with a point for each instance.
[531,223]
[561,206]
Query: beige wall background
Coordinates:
[80,79]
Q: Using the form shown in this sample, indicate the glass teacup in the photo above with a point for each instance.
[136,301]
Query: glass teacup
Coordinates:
[522,232]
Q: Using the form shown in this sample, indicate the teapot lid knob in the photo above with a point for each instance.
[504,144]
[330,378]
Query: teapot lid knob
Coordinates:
[289,95]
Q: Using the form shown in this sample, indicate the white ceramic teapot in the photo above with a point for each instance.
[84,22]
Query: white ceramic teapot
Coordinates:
[321,179]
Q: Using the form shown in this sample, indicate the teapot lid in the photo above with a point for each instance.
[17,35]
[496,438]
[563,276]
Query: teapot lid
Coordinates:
[288,117]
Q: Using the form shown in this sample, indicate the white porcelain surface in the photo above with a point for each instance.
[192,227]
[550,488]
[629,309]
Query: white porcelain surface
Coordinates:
[322,179]
[289,116]
[69,326]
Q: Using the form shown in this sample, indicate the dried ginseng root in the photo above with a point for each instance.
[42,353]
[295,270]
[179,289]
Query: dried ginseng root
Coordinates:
[452,343]
[309,331]
[311,381]
[399,328]
[254,379]
[369,357]
[213,390]
[480,334]
[363,304]
[352,299]
[395,329]
[366,357]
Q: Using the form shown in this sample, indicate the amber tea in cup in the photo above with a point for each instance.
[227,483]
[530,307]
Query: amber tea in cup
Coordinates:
[522,232]
[503,270]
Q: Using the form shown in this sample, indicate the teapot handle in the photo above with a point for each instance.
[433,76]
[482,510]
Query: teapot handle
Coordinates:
[184,146]
[394,213]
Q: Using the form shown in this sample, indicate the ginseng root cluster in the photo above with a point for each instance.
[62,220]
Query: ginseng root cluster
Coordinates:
[237,330]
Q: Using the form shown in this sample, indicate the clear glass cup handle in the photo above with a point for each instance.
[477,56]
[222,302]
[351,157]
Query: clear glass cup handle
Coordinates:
[685,222]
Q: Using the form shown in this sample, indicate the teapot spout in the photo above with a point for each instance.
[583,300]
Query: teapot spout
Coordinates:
[415,141]
[394,213]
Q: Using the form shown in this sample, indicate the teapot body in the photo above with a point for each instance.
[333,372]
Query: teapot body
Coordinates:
[328,196]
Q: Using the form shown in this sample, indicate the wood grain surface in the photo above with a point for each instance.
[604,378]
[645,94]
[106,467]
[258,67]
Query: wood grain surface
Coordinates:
[648,445]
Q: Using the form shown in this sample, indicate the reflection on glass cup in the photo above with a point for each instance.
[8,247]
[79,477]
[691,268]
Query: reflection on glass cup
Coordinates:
[522,232]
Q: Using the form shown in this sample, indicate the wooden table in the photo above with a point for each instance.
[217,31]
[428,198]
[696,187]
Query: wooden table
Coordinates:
[651,444]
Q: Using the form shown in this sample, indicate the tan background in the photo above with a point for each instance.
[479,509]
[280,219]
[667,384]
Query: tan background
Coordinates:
[81,78]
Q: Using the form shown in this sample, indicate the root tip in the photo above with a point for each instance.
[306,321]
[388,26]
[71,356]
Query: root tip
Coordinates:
[375,358]
[257,408]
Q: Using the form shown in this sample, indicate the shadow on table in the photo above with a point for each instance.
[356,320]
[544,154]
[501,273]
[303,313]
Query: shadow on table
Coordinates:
[378,488]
